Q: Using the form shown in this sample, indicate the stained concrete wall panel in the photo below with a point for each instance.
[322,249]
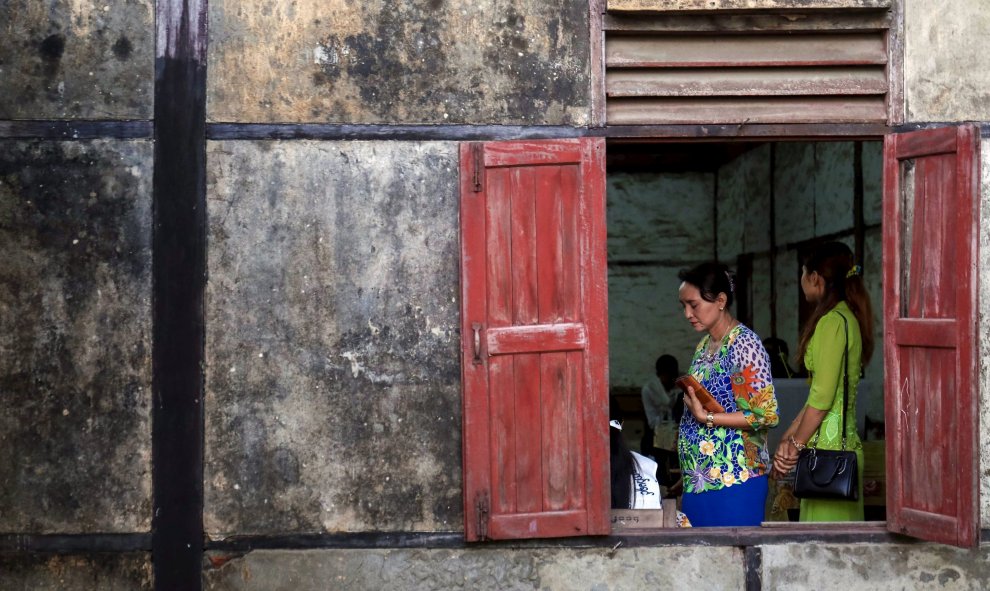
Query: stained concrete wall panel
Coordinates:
[76,59]
[660,217]
[834,182]
[333,374]
[75,326]
[794,191]
[425,61]
[644,322]
[743,206]
[873,277]
[479,568]
[787,279]
[946,65]
[983,330]
[872,182]
[91,572]
[879,567]
[761,289]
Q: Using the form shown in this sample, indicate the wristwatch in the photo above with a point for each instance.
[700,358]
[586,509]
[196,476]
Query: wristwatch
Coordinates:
[710,420]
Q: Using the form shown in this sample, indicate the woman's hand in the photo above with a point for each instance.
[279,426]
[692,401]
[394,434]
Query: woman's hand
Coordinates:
[693,405]
[784,459]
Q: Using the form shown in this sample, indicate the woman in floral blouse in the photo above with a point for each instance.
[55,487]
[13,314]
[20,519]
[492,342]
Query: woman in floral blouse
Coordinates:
[724,455]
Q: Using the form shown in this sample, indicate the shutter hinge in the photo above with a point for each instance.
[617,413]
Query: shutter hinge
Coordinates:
[481,507]
[478,157]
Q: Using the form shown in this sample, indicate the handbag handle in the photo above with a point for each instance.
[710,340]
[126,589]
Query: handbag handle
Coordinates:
[845,384]
[838,469]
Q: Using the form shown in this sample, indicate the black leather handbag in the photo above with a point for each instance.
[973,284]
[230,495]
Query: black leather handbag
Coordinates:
[826,473]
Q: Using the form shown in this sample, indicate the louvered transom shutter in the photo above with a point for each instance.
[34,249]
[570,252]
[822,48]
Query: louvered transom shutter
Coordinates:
[746,66]
[930,238]
[534,339]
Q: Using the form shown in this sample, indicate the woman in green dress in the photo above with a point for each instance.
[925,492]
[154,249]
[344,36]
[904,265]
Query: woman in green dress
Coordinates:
[842,318]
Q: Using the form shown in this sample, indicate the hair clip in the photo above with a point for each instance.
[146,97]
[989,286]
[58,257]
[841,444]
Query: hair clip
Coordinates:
[732,286]
[615,424]
[854,270]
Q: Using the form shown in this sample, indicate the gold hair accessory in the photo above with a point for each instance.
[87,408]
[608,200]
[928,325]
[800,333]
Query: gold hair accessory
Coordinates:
[854,270]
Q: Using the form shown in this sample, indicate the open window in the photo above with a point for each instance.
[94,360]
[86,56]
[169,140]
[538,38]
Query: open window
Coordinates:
[534,339]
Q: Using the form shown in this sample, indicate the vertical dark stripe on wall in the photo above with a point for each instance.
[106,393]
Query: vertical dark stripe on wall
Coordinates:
[754,568]
[773,240]
[179,280]
[859,226]
[715,219]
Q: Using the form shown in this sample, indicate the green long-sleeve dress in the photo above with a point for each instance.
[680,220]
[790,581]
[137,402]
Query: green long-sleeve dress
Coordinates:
[823,359]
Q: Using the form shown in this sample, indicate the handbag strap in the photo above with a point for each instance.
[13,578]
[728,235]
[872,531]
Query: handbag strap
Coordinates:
[845,385]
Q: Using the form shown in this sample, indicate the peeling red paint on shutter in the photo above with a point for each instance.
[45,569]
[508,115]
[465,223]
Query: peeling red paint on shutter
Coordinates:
[534,339]
[930,238]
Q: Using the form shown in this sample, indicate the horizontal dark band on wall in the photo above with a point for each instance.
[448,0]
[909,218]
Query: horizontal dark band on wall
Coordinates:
[75,543]
[984,126]
[76,130]
[327,131]
[79,130]
[848,533]
[765,131]
[141,542]
[349,540]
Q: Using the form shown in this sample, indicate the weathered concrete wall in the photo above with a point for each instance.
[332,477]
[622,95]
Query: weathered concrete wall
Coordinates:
[744,205]
[946,65]
[75,324]
[878,567]
[653,232]
[76,59]
[506,569]
[91,572]
[424,61]
[333,372]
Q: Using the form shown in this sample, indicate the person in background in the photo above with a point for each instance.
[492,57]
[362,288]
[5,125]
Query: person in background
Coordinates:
[634,483]
[778,351]
[659,396]
[842,322]
[723,454]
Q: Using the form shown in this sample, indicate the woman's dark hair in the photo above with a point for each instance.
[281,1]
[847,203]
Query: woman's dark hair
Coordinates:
[833,261]
[711,279]
[623,466]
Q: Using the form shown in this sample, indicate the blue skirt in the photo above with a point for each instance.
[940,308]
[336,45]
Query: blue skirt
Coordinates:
[738,505]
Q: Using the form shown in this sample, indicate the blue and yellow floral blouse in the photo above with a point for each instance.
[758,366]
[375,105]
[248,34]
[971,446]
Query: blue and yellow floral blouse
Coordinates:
[738,376]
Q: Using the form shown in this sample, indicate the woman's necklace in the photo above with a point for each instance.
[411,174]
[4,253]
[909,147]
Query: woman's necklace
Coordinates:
[715,344]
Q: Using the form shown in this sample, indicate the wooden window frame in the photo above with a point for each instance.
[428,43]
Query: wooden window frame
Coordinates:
[845,532]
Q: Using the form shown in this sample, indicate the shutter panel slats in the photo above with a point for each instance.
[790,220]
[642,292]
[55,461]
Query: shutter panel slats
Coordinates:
[931,205]
[746,68]
[535,388]
[682,51]
[755,110]
[746,82]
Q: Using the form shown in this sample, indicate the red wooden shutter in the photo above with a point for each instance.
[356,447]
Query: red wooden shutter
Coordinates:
[930,237]
[534,339]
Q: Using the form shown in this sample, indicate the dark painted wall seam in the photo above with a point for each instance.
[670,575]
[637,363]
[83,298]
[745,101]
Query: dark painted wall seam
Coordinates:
[178,284]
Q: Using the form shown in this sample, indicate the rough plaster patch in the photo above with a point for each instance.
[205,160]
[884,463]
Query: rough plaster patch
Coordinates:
[878,567]
[328,276]
[946,68]
[521,61]
[509,569]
